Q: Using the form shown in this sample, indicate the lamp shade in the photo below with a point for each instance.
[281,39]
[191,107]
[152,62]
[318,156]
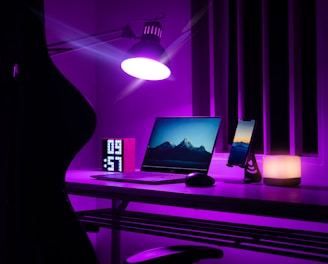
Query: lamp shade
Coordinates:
[282,170]
[147,59]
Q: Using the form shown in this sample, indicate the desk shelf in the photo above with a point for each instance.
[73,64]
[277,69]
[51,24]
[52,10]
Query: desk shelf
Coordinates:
[301,244]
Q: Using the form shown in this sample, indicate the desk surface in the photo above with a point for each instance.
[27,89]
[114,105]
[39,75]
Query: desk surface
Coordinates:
[307,203]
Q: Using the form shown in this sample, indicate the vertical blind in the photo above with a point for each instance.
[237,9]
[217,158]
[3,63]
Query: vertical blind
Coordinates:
[264,55]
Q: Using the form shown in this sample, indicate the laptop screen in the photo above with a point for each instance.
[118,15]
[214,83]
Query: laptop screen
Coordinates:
[181,144]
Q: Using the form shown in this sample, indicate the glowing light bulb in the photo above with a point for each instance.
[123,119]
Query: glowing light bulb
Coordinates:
[146,69]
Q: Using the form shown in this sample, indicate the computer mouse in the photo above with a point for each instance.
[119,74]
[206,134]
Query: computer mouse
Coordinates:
[199,179]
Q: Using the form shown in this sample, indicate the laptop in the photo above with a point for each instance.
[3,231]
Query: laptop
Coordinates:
[177,146]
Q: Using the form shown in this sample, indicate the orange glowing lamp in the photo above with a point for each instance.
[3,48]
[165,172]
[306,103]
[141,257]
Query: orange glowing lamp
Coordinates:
[282,170]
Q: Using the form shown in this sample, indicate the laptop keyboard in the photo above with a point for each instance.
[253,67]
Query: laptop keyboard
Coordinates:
[141,176]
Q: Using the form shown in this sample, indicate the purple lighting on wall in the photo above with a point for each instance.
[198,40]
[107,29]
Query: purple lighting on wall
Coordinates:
[147,59]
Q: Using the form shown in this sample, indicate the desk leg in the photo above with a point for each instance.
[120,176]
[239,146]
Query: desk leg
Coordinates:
[116,237]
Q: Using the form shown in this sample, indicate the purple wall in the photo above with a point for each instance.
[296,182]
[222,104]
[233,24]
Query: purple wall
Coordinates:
[63,22]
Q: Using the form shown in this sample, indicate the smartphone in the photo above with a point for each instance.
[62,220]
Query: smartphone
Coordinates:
[242,143]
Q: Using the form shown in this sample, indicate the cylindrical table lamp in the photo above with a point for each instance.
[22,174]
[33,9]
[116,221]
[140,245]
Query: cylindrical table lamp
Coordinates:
[282,170]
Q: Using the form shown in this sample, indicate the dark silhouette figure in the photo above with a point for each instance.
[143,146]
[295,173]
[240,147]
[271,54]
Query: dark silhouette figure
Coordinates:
[44,122]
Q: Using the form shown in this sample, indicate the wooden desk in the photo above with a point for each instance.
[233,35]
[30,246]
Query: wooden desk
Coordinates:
[300,203]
